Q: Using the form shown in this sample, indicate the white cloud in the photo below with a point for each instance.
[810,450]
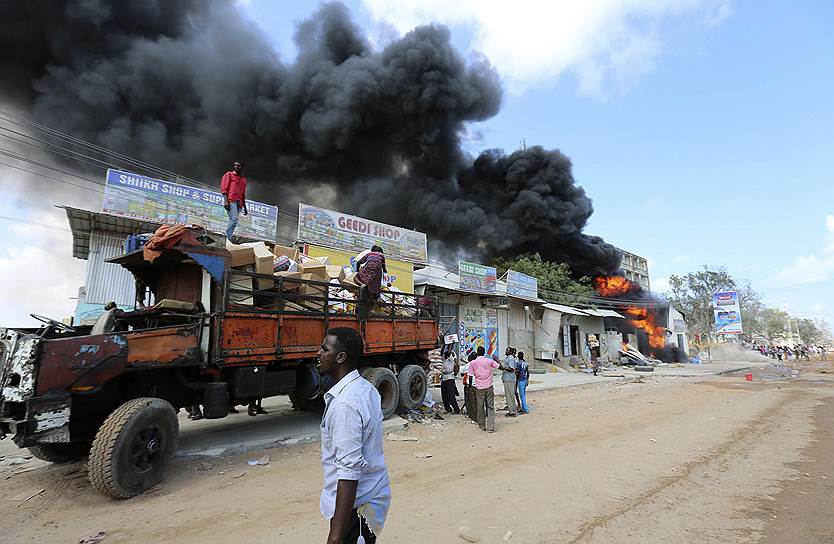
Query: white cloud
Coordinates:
[810,269]
[37,270]
[606,44]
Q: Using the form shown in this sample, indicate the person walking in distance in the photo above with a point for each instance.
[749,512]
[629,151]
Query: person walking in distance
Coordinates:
[447,381]
[233,187]
[508,378]
[481,368]
[356,492]
[523,378]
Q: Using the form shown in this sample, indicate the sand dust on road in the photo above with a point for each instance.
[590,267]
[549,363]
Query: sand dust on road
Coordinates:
[666,460]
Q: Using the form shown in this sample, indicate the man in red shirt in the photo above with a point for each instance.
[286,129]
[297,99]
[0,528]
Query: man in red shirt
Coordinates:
[233,187]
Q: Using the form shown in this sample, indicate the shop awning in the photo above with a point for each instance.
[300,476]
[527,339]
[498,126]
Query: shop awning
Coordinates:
[564,309]
[602,313]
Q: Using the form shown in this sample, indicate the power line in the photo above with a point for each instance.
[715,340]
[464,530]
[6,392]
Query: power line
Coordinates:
[19,220]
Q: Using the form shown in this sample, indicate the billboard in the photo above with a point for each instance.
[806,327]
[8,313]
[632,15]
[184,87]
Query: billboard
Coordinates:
[521,285]
[338,230]
[140,197]
[727,311]
[477,278]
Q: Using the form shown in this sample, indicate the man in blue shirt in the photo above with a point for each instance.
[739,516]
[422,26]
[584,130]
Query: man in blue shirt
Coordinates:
[356,493]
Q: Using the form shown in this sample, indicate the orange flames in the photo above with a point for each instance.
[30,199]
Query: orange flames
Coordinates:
[615,286]
[642,319]
[612,286]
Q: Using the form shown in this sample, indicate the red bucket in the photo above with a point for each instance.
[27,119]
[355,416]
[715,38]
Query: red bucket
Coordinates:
[748,377]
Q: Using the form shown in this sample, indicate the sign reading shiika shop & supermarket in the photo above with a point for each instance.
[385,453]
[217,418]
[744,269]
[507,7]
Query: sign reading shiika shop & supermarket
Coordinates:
[521,285]
[477,278]
[140,197]
[338,230]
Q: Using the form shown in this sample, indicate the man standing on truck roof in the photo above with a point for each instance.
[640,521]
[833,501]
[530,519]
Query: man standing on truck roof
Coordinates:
[233,187]
[356,492]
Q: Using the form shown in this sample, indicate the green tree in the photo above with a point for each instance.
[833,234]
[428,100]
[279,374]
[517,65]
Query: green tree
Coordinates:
[692,295]
[552,277]
[751,311]
[775,324]
[813,331]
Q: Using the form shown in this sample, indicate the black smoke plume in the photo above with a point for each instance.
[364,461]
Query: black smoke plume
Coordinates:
[193,85]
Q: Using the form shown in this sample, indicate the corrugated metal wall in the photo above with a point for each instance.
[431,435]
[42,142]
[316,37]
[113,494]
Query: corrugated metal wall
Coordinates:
[108,281]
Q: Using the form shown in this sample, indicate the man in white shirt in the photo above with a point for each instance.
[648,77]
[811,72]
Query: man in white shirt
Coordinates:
[356,493]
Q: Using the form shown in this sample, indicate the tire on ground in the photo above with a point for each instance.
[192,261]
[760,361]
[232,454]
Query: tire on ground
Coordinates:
[133,448]
[61,453]
[386,383]
[412,382]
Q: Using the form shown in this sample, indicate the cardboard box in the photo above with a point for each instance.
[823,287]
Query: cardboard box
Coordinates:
[241,255]
[315,268]
[313,290]
[290,252]
[291,280]
[350,280]
[335,272]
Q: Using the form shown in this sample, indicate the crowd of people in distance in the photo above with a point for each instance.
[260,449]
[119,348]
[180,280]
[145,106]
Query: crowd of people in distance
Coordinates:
[803,352]
[478,395]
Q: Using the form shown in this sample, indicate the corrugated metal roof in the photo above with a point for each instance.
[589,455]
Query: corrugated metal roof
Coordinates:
[602,313]
[438,277]
[83,223]
[565,309]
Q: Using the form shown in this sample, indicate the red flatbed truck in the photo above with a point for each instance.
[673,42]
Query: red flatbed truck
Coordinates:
[205,334]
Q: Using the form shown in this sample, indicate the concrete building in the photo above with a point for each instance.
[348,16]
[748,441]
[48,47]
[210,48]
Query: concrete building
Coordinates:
[636,269]
[542,330]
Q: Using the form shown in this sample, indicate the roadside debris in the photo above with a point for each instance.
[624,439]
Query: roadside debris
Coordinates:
[93,539]
[401,438]
[26,495]
[422,454]
[263,461]
[508,536]
[463,532]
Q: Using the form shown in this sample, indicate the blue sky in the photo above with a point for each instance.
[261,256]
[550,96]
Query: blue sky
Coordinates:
[713,144]
[702,129]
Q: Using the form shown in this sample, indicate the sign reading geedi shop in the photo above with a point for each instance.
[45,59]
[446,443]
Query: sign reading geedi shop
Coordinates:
[338,230]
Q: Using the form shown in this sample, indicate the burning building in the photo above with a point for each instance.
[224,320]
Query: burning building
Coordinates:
[653,325]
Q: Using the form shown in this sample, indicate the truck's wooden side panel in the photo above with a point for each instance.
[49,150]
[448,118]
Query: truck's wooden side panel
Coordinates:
[255,338]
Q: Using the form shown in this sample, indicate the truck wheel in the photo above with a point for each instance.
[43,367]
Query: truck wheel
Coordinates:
[386,383]
[61,453]
[412,383]
[133,448]
[307,405]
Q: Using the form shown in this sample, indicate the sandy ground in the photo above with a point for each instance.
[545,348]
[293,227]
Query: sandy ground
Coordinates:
[706,460]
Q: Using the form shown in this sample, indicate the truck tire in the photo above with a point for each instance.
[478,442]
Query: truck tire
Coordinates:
[307,405]
[61,453]
[386,383]
[412,382]
[133,448]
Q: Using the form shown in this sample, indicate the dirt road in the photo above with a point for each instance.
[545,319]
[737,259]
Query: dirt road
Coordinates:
[711,460]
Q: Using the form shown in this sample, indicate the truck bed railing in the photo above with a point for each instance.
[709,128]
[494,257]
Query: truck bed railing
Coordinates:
[260,293]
